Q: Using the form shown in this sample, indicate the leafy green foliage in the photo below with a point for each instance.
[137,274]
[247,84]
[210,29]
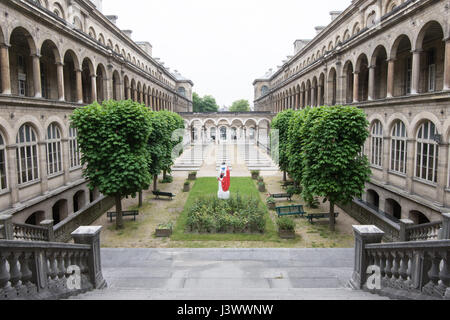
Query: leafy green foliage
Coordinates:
[236,215]
[286,224]
[240,106]
[281,123]
[112,138]
[205,104]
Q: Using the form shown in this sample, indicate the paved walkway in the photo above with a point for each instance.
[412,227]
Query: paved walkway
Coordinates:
[227,274]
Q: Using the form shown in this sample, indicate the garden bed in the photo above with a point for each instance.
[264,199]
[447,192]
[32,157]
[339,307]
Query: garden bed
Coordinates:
[236,215]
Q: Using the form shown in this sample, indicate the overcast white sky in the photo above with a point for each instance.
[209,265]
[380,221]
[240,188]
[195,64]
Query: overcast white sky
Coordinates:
[222,45]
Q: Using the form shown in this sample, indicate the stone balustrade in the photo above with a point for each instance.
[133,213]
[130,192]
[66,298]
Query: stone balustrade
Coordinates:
[48,270]
[408,270]
[424,232]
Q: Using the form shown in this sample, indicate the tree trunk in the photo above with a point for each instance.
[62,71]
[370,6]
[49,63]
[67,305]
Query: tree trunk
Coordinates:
[155,182]
[164,174]
[284,176]
[140,199]
[119,217]
[332,217]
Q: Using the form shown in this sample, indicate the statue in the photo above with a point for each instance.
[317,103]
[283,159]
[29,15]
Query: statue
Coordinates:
[224,182]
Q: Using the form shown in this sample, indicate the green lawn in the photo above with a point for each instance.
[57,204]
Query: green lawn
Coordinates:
[208,187]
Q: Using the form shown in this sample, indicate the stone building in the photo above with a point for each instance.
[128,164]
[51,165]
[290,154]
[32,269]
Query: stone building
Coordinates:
[56,56]
[392,59]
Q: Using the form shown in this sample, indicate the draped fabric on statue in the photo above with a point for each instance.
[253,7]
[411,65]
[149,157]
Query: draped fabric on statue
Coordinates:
[226,181]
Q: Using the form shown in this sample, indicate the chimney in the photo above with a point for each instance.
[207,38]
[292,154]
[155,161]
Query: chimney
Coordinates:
[113,19]
[335,14]
[128,33]
[98,4]
[146,46]
[319,29]
[299,45]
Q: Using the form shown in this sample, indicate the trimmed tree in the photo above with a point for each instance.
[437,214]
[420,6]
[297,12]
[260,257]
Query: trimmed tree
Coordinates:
[240,106]
[333,166]
[112,138]
[281,123]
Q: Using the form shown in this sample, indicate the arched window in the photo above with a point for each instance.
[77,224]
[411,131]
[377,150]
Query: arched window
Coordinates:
[264,90]
[3,181]
[74,151]
[182,91]
[427,152]
[371,19]
[377,144]
[27,155]
[399,148]
[54,156]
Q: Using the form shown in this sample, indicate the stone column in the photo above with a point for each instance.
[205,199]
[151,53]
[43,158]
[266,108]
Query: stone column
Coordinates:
[410,164]
[390,78]
[415,83]
[91,236]
[313,98]
[257,136]
[363,235]
[60,79]
[37,76]
[129,92]
[48,224]
[66,160]
[355,86]
[404,223]
[4,64]
[319,95]
[371,83]
[94,87]
[302,97]
[43,167]
[109,88]
[13,174]
[442,173]
[79,86]
[295,106]
[386,158]
[445,233]
[447,65]
[6,222]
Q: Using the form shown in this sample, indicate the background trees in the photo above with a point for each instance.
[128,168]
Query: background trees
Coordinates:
[281,123]
[113,141]
[323,152]
[205,104]
[240,106]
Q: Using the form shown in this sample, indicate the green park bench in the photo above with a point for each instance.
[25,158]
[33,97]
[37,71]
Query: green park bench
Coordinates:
[282,196]
[312,216]
[294,210]
[112,215]
[163,194]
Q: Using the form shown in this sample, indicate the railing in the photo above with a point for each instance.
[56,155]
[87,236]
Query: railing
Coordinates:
[403,270]
[423,232]
[26,232]
[46,270]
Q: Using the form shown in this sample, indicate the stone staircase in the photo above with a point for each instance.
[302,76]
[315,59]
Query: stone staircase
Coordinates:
[257,159]
[227,274]
[192,158]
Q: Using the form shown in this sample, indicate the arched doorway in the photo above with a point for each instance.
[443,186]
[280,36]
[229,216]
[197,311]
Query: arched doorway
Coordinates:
[79,200]
[393,208]
[59,211]
[418,217]
[223,133]
[36,218]
[373,199]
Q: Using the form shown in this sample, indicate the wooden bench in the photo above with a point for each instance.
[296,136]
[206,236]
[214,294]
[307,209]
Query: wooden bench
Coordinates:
[294,210]
[287,184]
[112,215]
[281,196]
[312,216]
[163,194]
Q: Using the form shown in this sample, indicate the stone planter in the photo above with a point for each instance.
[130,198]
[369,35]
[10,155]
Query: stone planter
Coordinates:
[192,177]
[186,188]
[255,176]
[262,188]
[272,206]
[163,233]
[284,234]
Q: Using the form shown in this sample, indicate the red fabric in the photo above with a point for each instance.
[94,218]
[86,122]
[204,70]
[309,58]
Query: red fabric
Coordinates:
[226,182]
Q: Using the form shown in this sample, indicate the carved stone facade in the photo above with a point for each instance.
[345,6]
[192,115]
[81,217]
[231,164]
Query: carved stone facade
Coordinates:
[392,59]
[56,56]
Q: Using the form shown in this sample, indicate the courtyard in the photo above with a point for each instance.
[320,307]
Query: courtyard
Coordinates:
[141,233]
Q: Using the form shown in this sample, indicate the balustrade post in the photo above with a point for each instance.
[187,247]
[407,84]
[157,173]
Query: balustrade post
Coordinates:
[404,223]
[363,235]
[8,231]
[91,236]
[49,225]
[445,232]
